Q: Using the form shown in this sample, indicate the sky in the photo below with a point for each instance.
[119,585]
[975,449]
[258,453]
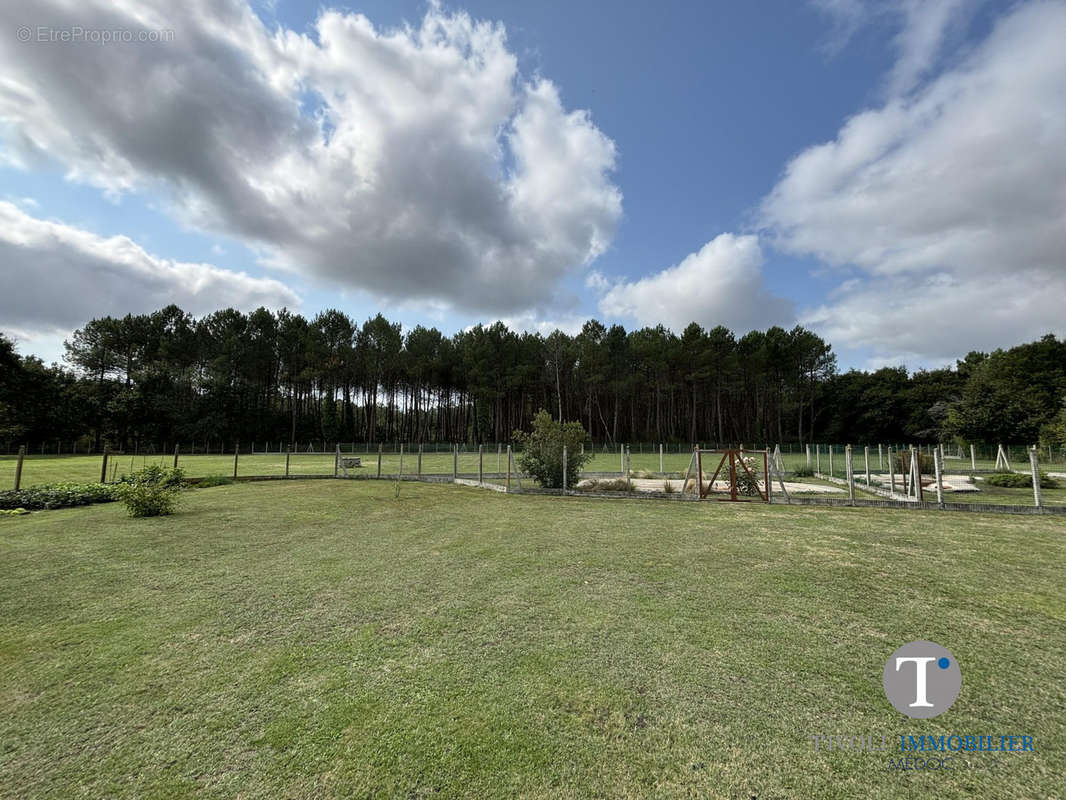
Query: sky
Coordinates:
[888,173]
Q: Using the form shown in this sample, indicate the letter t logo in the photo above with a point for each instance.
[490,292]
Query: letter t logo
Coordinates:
[920,664]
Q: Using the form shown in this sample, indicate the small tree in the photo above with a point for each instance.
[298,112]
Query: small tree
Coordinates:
[540,453]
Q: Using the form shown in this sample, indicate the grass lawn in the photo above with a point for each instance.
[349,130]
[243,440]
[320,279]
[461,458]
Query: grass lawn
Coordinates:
[330,639]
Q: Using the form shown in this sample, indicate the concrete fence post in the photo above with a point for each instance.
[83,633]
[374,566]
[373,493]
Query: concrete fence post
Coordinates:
[973,460]
[481,463]
[564,469]
[627,460]
[499,458]
[622,458]
[336,460]
[401,460]
[818,459]
[419,459]
[288,455]
[508,467]
[808,456]
[661,470]
[831,475]
[849,472]
[866,452]
[236,453]
[18,467]
[381,446]
[880,459]
[455,461]
[1034,462]
[891,471]
[938,457]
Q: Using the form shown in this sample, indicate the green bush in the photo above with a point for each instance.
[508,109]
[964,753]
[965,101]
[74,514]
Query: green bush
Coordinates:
[57,495]
[608,485]
[541,453]
[214,480]
[1019,480]
[748,479]
[151,492]
[13,512]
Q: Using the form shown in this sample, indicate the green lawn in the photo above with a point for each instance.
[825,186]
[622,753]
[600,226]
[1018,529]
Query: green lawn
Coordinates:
[330,639]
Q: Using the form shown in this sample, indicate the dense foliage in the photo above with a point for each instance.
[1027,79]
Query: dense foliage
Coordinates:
[150,492]
[1019,480]
[57,495]
[541,451]
[166,377]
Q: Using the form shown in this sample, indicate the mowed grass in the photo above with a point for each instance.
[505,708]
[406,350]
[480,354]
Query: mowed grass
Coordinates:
[333,639]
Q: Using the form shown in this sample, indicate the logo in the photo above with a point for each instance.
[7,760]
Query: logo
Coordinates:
[922,679]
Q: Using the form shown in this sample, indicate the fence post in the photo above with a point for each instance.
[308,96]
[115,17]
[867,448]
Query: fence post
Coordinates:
[401,459]
[916,475]
[419,459]
[628,482]
[891,471]
[499,456]
[808,456]
[481,463]
[849,471]
[380,446]
[818,459]
[455,461]
[937,457]
[508,467]
[880,459]
[564,469]
[831,475]
[973,460]
[288,455]
[236,452]
[336,460]
[661,470]
[1035,464]
[622,458]
[18,467]
[103,466]
[866,452]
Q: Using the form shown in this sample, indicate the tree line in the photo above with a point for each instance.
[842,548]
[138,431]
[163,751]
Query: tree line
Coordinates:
[277,376]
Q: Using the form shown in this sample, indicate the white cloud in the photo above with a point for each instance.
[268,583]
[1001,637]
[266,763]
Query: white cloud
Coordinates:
[721,284]
[414,163]
[951,202]
[57,277]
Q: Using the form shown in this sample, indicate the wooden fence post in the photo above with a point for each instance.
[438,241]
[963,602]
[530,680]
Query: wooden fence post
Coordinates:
[103,466]
[499,459]
[419,459]
[380,446]
[867,454]
[236,452]
[18,467]
[336,460]
[288,455]
[455,461]
[175,456]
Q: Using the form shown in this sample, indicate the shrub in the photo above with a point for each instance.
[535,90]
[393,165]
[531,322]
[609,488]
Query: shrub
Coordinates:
[748,479]
[214,480]
[1019,480]
[13,512]
[608,485]
[57,495]
[541,453]
[151,492]
[668,487]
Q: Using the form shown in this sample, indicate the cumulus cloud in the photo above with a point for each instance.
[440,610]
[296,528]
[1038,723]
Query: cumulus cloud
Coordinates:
[951,202]
[414,163]
[55,277]
[721,284]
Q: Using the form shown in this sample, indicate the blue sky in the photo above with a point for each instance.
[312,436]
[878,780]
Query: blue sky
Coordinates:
[842,164]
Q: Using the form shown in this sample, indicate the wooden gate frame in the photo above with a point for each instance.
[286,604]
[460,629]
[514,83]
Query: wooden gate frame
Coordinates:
[735,457]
